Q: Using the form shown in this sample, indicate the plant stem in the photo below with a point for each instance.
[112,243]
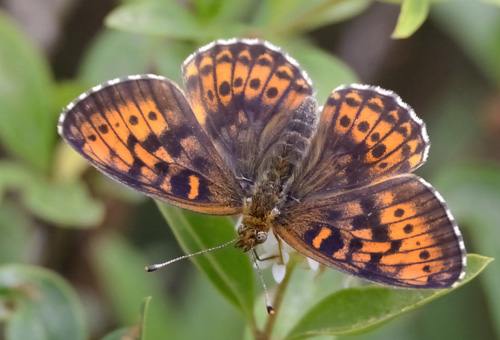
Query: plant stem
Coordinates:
[271,320]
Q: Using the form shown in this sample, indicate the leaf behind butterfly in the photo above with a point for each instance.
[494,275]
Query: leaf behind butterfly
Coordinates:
[228,269]
[356,310]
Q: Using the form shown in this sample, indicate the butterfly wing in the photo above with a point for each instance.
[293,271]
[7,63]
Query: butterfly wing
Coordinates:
[397,232]
[243,92]
[364,134]
[141,131]
[356,208]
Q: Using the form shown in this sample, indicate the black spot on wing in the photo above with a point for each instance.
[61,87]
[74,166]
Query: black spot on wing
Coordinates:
[380,234]
[161,168]
[151,143]
[395,246]
[171,139]
[206,70]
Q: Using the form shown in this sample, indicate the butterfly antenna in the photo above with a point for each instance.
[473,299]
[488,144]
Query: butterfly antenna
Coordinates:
[270,309]
[154,267]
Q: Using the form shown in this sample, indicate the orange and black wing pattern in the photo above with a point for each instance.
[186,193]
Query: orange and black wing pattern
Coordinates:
[397,232]
[243,93]
[141,131]
[364,134]
[355,206]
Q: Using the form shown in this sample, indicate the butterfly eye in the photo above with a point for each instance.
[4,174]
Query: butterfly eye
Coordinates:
[261,237]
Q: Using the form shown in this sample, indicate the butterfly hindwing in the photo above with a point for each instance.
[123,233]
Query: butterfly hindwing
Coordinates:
[396,232]
[243,93]
[141,131]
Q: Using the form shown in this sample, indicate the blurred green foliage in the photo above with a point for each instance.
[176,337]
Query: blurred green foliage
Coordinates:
[69,270]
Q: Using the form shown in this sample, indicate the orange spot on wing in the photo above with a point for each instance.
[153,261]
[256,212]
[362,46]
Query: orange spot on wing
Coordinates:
[154,117]
[361,257]
[364,124]
[421,241]
[364,234]
[279,84]
[393,141]
[375,247]
[342,125]
[134,121]
[207,81]
[162,154]
[199,110]
[223,75]
[148,159]
[259,73]
[190,70]
[241,71]
[323,234]
[194,186]
[106,142]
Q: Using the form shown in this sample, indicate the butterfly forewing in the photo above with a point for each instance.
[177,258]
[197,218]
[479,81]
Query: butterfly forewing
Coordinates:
[243,93]
[364,134]
[397,232]
[141,131]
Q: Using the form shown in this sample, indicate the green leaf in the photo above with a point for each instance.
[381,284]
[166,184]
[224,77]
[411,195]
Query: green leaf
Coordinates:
[138,54]
[412,16]
[294,16]
[67,204]
[228,269]
[122,276]
[491,2]
[144,314]
[13,176]
[169,57]
[199,300]
[224,11]
[206,9]
[16,230]
[26,90]
[123,334]
[116,54]
[326,71]
[136,332]
[476,29]
[42,305]
[305,289]
[360,309]
[472,192]
[69,165]
[165,18]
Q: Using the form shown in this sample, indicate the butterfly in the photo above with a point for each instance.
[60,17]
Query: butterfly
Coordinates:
[247,137]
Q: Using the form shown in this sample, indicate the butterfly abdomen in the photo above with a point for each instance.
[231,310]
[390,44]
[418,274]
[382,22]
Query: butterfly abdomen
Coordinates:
[295,141]
[282,163]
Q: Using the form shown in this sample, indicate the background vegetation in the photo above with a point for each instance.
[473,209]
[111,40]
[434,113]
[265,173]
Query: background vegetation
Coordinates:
[73,243]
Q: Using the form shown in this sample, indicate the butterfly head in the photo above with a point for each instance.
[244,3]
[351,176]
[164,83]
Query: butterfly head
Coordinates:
[251,233]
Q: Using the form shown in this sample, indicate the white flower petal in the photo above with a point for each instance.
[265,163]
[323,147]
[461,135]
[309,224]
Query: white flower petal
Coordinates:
[314,265]
[279,272]
[265,263]
[271,245]
[286,257]
[347,281]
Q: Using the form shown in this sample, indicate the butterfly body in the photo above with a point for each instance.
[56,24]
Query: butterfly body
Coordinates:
[271,193]
[248,138]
